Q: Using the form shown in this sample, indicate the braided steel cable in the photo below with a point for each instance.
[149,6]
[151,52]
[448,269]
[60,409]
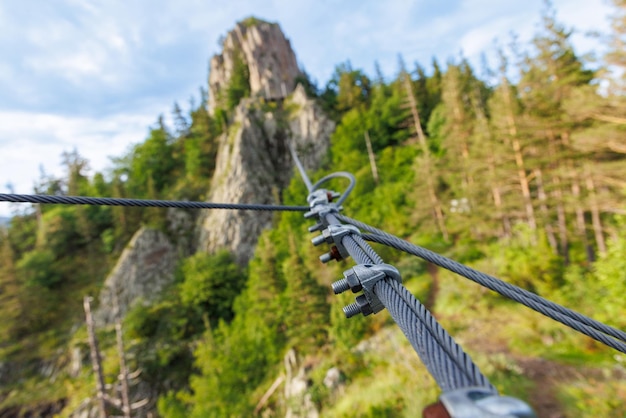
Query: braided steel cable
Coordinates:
[335,175]
[446,361]
[599,331]
[356,251]
[376,259]
[305,178]
[107,201]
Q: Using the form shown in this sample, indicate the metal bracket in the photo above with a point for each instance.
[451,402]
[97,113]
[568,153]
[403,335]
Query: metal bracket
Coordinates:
[320,203]
[480,402]
[333,234]
[364,277]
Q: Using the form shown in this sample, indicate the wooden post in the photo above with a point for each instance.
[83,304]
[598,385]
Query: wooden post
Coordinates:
[96,360]
[372,157]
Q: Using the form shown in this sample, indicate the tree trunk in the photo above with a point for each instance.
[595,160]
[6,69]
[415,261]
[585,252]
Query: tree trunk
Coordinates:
[519,157]
[123,377]
[96,360]
[434,200]
[544,210]
[595,213]
[371,156]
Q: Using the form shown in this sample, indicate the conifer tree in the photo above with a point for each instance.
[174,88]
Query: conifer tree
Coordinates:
[307,312]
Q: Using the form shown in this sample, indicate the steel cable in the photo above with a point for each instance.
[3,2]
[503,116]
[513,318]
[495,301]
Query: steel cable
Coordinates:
[588,326]
[446,361]
[107,201]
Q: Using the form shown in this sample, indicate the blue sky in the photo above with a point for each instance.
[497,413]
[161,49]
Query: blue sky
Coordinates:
[94,75]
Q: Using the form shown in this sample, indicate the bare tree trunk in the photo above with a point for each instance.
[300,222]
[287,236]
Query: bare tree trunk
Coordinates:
[581,226]
[96,360]
[519,157]
[544,210]
[595,213]
[123,377]
[434,200]
[555,157]
[483,125]
[372,157]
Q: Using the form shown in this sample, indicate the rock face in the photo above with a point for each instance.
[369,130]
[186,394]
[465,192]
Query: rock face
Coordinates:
[254,165]
[297,382]
[144,269]
[271,62]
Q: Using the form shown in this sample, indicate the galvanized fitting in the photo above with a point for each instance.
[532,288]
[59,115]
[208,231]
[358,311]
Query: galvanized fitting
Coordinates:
[364,277]
[480,402]
[334,234]
[320,204]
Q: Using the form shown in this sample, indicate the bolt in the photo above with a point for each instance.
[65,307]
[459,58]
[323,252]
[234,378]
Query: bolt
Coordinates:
[351,310]
[332,195]
[316,227]
[334,254]
[325,258]
[310,214]
[318,240]
[340,286]
[360,306]
[364,305]
[353,280]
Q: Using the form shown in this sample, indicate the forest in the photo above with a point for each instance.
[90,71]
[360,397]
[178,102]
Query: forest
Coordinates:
[516,170]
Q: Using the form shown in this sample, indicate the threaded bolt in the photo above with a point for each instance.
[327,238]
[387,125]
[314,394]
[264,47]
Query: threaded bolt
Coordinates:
[351,310]
[316,227]
[318,240]
[340,286]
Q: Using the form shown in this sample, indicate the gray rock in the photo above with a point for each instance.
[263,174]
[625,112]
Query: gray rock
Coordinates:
[332,380]
[144,269]
[266,51]
[254,165]
[299,401]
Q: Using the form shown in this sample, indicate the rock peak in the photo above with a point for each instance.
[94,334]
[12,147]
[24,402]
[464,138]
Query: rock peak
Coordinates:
[271,64]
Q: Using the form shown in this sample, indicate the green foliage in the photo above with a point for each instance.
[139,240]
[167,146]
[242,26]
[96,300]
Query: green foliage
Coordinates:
[214,341]
[233,361]
[171,406]
[161,335]
[239,84]
[210,284]
[527,261]
[39,269]
[306,316]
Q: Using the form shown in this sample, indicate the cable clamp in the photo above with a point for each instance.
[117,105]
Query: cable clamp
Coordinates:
[320,203]
[479,402]
[364,277]
[333,234]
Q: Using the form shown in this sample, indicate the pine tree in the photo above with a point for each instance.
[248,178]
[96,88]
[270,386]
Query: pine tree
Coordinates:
[307,313]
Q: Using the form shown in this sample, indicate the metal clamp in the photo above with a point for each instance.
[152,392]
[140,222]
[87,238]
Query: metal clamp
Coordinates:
[364,277]
[320,203]
[333,234]
[480,402]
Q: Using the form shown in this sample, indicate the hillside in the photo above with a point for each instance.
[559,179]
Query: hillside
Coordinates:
[229,313]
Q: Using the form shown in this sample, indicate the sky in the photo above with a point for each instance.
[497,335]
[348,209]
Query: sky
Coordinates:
[94,75]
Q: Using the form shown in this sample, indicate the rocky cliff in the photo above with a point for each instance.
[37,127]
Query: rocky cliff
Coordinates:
[145,267]
[253,160]
[271,62]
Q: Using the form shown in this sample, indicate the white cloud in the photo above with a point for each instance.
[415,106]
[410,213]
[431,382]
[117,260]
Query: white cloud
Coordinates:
[29,140]
[94,75]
